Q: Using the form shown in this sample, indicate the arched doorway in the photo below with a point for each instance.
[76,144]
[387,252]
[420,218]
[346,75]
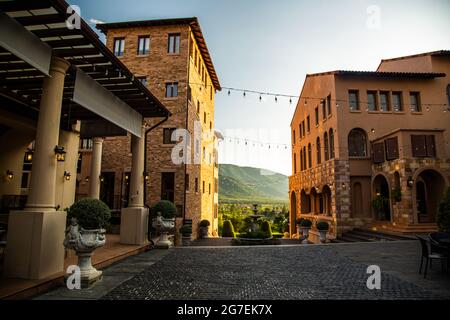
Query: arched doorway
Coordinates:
[357,200]
[430,187]
[326,191]
[381,199]
[293,212]
[305,203]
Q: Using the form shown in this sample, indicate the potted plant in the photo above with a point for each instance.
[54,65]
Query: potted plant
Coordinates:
[322,227]
[186,232]
[228,230]
[85,233]
[379,204]
[305,225]
[164,222]
[204,225]
[297,224]
[443,217]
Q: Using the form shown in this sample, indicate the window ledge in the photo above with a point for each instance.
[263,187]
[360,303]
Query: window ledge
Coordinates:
[355,111]
[142,55]
[373,111]
[416,112]
[385,112]
[171,98]
[399,112]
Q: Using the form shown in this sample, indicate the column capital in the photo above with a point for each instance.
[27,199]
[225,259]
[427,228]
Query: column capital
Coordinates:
[59,65]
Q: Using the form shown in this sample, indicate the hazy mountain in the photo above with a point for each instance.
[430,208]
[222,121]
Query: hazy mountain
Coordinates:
[248,185]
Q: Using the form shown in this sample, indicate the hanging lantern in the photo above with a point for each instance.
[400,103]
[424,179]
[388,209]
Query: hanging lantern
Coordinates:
[66,175]
[29,155]
[60,154]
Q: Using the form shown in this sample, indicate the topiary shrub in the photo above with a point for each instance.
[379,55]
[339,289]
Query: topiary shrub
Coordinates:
[90,213]
[305,223]
[322,225]
[186,230]
[167,208]
[266,229]
[228,230]
[204,223]
[443,217]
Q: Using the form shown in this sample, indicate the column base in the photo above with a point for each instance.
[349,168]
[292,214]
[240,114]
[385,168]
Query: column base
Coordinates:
[34,247]
[134,226]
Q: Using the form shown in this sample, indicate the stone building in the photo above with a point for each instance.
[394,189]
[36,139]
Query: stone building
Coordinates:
[170,58]
[371,149]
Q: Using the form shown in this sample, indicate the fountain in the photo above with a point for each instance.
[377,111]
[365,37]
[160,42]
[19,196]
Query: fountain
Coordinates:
[249,238]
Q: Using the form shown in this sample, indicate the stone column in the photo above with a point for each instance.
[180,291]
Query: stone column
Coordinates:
[137,171]
[35,236]
[41,194]
[134,219]
[96,168]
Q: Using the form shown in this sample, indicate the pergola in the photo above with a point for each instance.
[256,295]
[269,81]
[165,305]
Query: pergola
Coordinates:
[55,74]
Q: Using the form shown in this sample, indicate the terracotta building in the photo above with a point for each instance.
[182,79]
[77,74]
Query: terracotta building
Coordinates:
[371,149]
[170,58]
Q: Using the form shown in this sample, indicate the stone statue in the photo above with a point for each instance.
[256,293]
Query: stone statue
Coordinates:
[163,226]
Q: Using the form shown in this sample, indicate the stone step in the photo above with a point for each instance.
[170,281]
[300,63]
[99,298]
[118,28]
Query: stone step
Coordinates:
[346,237]
[380,235]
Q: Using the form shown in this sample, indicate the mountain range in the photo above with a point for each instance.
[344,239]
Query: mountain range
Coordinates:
[251,185]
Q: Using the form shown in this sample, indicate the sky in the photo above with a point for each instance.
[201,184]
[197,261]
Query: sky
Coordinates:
[270,46]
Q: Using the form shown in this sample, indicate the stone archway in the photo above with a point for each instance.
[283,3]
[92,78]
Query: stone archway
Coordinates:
[326,191]
[314,208]
[429,189]
[381,196]
[305,203]
[293,213]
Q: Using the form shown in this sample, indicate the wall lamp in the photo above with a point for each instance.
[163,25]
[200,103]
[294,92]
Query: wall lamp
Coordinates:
[344,186]
[86,179]
[29,155]
[410,182]
[67,175]
[101,178]
[146,176]
[9,174]
[60,154]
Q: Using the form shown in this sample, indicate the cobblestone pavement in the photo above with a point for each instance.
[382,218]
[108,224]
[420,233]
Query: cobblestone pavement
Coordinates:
[272,272]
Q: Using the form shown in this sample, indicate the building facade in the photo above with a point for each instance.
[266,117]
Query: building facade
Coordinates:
[371,149]
[171,58]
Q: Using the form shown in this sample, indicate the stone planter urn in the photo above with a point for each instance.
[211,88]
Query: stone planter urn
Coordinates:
[305,231]
[163,226]
[323,235]
[204,232]
[84,242]
[186,241]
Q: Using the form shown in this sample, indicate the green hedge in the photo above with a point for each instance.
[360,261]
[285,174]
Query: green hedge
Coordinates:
[167,208]
[228,230]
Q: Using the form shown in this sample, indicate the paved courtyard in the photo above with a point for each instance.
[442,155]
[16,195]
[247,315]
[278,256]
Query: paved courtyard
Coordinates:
[336,271]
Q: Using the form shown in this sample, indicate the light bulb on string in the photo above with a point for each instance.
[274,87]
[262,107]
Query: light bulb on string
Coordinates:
[260,98]
[276,99]
[290,100]
[244,94]
[229,92]
[306,102]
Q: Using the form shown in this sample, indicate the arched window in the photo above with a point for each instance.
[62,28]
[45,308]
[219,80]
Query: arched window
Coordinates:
[318,151]
[331,137]
[309,156]
[295,163]
[304,158]
[357,143]
[301,160]
[325,145]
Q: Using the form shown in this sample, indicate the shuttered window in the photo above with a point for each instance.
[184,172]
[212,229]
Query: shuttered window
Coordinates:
[418,144]
[391,148]
[378,152]
[431,147]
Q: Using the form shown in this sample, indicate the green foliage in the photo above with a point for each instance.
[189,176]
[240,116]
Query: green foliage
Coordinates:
[204,223]
[168,209]
[266,228]
[443,217]
[255,235]
[228,230]
[397,194]
[90,213]
[305,223]
[322,225]
[379,202]
[186,230]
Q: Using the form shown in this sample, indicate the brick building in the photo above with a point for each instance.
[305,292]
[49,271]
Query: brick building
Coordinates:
[364,136]
[171,58]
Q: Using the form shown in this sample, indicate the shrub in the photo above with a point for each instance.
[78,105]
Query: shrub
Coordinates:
[228,230]
[322,225]
[186,230]
[397,194]
[167,208]
[305,223]
[298,221]
[266,229]
[255,235]
[204,223]
[90,213]
[443,217]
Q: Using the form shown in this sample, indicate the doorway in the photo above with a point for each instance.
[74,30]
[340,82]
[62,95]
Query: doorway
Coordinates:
[107,189]
[430,187]
[381,200]
[168,186]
